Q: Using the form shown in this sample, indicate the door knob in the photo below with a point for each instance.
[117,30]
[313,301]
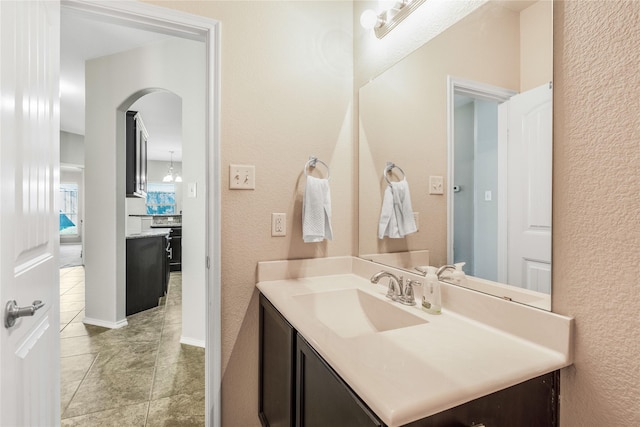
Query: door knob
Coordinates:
[12,312]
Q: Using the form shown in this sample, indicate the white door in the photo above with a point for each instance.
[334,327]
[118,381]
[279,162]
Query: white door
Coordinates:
[29,174]
[529,189]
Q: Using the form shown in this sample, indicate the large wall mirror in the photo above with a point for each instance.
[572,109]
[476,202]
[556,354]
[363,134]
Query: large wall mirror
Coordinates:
[467,119]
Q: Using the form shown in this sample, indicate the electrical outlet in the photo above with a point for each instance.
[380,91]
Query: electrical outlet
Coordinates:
[242,177]
[436,185]
[278,224]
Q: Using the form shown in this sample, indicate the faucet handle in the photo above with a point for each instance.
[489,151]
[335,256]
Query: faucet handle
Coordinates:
[407,297]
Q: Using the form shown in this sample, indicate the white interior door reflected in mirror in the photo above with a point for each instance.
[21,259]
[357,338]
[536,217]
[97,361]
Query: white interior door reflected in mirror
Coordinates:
[529,190]
[502,147]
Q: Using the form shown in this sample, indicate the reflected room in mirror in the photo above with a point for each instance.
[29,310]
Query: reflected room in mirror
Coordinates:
[467,117]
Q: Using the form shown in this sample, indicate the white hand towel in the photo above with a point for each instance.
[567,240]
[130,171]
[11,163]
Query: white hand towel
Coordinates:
[396,216]
[316,211]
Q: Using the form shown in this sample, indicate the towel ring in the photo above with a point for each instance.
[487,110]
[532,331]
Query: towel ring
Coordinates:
[389,167]
[312,162]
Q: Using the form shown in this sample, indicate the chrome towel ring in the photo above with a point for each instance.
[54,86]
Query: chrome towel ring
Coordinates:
[312,162]
[389,167]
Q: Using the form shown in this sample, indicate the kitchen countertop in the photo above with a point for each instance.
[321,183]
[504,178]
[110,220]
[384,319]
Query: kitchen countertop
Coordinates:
[150,233]
[413,372]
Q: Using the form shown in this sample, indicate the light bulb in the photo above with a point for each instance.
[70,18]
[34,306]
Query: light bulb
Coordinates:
[369,19]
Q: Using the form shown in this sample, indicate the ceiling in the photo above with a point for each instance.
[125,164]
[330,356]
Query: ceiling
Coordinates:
[81,39]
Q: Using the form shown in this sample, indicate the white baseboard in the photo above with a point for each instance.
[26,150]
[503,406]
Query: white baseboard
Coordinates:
[104,324]
[192,341]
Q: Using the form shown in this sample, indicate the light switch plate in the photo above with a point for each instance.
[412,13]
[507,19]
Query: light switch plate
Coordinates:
[416,218]
[192,190]
[436,185]
[242,177]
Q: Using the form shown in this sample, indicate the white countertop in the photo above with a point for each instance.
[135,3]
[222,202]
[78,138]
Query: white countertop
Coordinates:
[410,373]
[149,233]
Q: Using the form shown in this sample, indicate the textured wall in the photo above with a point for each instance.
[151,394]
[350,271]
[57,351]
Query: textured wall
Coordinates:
[286,94]
[596,238]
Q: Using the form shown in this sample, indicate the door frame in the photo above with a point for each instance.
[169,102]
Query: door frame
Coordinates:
[183,25]
[478,90]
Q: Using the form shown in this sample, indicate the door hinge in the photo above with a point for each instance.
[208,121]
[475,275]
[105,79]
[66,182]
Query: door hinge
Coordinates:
[208,262]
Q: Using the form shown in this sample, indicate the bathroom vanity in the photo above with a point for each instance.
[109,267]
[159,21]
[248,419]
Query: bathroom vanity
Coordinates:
[320,364]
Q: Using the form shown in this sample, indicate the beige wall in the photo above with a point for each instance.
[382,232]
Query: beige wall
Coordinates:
[279,94]
[596,207]
[536,41]
[286,94]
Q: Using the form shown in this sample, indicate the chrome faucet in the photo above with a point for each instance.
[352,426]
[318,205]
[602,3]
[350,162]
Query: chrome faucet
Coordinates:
[397,291]
[444,268]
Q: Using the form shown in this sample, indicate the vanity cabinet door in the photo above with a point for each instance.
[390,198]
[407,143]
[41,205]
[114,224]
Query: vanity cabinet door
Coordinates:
[277,368]
[323,399]
[532,403]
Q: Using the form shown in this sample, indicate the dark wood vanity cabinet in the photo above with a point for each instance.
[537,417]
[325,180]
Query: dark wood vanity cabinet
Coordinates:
[277,368]
[298,388]
[323,398]
[532,403]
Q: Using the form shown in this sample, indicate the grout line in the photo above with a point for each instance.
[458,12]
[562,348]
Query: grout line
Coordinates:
[81,381]
[155,366]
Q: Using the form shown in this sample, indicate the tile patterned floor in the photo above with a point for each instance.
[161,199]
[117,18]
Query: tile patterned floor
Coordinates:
[139,375]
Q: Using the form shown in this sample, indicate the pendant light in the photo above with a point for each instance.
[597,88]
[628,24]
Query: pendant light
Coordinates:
[170,176]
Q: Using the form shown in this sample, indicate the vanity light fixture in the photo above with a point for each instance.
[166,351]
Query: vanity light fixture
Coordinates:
[385,21]
[170,176]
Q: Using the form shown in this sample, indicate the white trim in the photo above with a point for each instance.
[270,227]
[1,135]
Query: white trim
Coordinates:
[191,341]
[102,323]
[180,24]
[458,86]
[503,138]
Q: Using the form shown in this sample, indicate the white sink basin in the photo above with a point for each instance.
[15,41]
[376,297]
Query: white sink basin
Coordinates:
[351,312]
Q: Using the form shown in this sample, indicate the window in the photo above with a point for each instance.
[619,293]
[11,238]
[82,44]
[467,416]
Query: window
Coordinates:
[161,198]
[68,209]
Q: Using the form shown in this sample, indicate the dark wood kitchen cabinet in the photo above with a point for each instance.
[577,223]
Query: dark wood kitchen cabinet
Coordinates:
[299,388]
[136,155]
[147,272]
[175,248]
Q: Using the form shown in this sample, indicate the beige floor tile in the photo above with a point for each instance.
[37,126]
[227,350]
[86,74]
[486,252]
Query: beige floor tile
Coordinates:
[74,368]
[179,378]
[78,329]
[77,289]
[99,393]
[127,416]
[71,306]
[179,410]
[67,390]
[79,345]
[109,376]
[124,358]
[68,316]
[70,297]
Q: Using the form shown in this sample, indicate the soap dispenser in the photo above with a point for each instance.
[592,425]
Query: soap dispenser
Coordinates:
[458,275]
[431,295]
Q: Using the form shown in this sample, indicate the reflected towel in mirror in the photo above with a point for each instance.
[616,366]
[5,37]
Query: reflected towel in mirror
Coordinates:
[316,211]
[396,215]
